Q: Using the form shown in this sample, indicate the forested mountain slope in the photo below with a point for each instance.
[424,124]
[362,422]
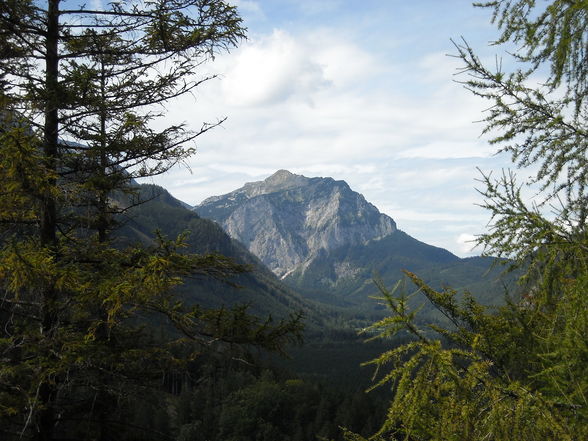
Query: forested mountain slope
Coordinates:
[326,241]
[258,287]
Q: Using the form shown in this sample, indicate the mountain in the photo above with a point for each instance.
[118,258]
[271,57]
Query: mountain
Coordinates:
[332,350]
[289,220]
[259,288]
[335,303]
[325,240]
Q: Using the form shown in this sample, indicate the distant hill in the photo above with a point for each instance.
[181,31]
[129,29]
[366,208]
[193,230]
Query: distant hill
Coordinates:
[326,241]
[260,288]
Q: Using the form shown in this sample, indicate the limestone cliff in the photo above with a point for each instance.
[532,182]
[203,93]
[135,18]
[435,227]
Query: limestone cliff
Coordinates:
[289,220]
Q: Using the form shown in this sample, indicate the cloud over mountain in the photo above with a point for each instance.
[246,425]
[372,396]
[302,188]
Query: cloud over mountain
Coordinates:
[352,92]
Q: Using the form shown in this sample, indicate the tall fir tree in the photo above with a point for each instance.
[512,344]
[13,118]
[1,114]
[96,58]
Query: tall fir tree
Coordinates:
[519,372]
[79,93]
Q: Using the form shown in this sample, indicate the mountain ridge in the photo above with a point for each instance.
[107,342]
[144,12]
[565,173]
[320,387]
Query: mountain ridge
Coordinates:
[259,288]
[327,242]
[280,180]
[287,219]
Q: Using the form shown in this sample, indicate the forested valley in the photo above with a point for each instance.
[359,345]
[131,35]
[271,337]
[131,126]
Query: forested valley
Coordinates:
[127,315]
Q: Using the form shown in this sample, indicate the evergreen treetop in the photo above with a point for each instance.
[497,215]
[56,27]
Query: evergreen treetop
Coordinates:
[80,89]
[518,372]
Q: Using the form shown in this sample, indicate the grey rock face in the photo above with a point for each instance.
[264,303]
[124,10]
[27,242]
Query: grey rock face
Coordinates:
[287,220]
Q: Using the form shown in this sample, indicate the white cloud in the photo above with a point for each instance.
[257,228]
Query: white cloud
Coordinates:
[273,68]
[406,216]
[431,177]
[466,244]
[270,70]
[246,170]
[189,181]
[343,63]
[249,9]
[449,150]
[333,169]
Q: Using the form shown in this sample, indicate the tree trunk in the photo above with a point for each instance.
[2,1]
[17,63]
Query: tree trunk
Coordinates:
[44,429]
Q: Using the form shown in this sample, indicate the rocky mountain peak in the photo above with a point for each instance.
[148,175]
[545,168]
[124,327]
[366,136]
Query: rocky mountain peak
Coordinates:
[281,177]
[288,220]
[280,180]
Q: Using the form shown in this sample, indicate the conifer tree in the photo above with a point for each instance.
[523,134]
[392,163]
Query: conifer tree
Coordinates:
[518,372]
[79,93]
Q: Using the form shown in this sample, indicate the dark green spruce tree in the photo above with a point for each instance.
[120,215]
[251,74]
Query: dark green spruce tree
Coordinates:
[79,91]
[519,372]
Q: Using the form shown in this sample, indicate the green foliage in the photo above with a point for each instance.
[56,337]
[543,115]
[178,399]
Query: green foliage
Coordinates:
[542,124]
[487,378]
[518,371]
[90,324]
[547,33]
[233,401]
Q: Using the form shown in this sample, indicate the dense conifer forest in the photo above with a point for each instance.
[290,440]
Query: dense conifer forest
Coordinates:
[111,323]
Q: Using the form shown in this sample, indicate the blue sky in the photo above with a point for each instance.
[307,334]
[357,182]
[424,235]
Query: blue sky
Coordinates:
[358,91]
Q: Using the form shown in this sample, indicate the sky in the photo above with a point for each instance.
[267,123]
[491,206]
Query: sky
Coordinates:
[361,91]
